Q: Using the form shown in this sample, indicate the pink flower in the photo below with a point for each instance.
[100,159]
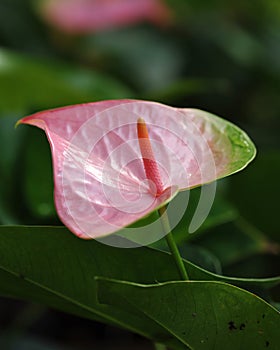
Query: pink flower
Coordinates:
[84,16]
[116,161]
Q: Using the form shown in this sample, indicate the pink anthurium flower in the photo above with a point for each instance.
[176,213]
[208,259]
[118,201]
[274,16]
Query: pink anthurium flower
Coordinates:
[84,16]
[116,161]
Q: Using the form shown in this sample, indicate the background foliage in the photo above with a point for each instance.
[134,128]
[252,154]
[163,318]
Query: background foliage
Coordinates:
[218,56]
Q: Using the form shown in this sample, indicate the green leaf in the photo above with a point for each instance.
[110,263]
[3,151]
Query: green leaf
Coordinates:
[52,266]
[30,84]
[201,315]
[201,257]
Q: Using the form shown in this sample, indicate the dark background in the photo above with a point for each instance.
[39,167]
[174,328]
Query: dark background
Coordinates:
[223,57]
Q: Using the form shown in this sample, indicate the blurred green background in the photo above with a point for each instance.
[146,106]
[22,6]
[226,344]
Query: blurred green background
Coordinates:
[223,57]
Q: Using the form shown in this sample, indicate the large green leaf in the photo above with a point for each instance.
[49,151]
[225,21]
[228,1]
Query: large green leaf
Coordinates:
[52,266]
[201,315]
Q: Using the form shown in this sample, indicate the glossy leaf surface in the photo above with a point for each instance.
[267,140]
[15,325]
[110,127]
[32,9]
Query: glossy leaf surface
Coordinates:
[201,315]
[50,266]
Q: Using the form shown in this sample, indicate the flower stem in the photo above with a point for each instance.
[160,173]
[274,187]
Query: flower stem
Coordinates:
[172,245]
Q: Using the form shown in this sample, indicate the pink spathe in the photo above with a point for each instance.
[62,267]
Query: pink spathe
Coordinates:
[100,180]
[84,16]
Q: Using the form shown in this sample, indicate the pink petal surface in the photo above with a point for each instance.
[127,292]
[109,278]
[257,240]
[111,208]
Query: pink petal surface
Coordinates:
[100,182]
[82,16]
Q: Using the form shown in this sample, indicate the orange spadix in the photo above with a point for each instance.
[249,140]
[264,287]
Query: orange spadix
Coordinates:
[149,162]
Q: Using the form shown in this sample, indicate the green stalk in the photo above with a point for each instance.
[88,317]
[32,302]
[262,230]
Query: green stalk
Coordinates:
[172,245]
